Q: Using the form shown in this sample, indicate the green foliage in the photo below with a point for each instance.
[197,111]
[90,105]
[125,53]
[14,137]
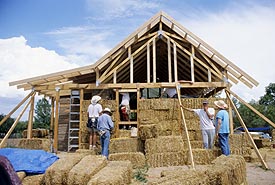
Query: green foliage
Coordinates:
[140,174]
[4,128]
[42,116]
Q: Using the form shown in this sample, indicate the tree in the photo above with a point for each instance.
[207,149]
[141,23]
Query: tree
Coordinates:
[269,97]
[42,116]
[4,128]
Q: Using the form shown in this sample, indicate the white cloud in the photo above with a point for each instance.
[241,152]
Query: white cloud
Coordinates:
[245,35]
[19,60]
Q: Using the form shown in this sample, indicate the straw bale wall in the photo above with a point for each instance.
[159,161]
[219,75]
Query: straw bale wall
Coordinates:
[116,172]
[35,143]
[63,123]
[136,158]
[58,172]
[120,145]
[81,173]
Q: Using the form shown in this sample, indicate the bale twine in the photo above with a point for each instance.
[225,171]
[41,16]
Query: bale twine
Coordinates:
[136,158]
[33,180]
[119,145]
[116,172]
[161,159]
[58,172]
[148,131]
[35,143]
[82,172]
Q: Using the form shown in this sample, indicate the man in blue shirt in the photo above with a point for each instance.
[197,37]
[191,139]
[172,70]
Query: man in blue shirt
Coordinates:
[104,127]
[222,127]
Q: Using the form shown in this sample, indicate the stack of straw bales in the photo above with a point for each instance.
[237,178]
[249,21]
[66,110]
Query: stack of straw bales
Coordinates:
[34,180]
[58,172]
[148,131]
[35,143]
[136,158]
[240,145]
[124,133]
[37,133]
[229,170]
[81,172]
[120,145]
[116,172]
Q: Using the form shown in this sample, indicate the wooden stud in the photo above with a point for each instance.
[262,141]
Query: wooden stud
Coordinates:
[131,65]
[148,62]
[192,63]
[57,97]
[154,62]
[175,62]
[14,125]
[114,77]
[246,131]
[30,123]
[169,60]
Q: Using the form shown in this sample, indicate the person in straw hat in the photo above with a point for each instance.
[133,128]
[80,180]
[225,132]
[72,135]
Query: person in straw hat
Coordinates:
[94,111]
[105,126]
[206,115]
[222,127]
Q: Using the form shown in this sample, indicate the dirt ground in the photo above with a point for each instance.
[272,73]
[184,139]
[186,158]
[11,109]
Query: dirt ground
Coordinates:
[255,174]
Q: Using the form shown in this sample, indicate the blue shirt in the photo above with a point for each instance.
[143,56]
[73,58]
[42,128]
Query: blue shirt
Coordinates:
[223,115]
[105,122]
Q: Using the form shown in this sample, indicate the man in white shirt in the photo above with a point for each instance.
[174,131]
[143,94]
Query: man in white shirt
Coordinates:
[206,116]
[171,92]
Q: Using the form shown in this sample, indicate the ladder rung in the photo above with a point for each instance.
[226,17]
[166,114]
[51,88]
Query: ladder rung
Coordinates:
[74,121]
[71,146]
[75,113]
[73,137]
[76,104]
[74,129]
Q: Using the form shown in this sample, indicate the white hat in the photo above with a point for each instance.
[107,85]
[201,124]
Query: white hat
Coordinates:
[221,104]
[107,110]
[95,99]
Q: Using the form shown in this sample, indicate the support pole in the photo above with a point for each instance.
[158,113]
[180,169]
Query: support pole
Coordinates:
[52,123]
[253,109]
[148,62]
[175,62]
[117,115]
[13,110]
[246,131]
[154,61]
[55,137]
[185,127]
[30,123]
[14,124]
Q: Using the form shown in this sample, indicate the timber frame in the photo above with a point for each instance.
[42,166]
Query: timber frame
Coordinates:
[159,54]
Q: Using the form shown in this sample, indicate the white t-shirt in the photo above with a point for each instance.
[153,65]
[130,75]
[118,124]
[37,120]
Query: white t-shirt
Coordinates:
[125,99]
[205,122]
[94,110]
[170,91]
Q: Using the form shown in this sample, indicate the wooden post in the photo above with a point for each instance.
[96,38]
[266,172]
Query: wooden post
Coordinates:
[55,137]
[114,77]
[246,131]
[30,123]
[131,65]
[169,60]
[175,62]
[209,75]
[117,116]
[14,124]
[253,109]
[192,63]
[185,127]
[52,123]
[81,112]
[154,62]
[148,62]
[13,110]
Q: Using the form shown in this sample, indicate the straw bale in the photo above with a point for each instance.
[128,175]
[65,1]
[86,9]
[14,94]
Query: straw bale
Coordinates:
[148,121]
[136,158]
[273,135]
[228,170]
[157,115]
[194,144]
[194,135]
[202,156]
[124,133]
[161,159]
[81,172]
[119,145]
[148,131]
[58,172]
[33,180]
[5,144]
[164,144]
[37,133]
[21,175]
[35,143]
[116,172]
[164,104]
[169,127]
[145,104]
[193,124]
[86,151]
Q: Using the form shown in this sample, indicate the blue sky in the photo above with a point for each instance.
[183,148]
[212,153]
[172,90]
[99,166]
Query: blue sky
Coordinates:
[39,37]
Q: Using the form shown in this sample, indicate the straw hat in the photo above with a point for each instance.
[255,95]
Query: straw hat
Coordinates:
[221,104]
[107,110]
[95,99]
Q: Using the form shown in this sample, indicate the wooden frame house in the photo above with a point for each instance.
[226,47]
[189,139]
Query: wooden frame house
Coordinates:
[159,54]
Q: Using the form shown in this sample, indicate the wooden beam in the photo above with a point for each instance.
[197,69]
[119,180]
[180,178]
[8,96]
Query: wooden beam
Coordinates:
[154,62]
[185,127]
[169,60]
[30,122]
[131,65]
[192,63]
[175,62]
[14,124]
[57,97]
[253,109]
[246,131]
[148,62]
[13,110]
[114,77]
[81,112]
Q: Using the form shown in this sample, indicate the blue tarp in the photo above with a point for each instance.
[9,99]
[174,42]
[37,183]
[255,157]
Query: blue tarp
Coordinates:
[30,161]
[255,129]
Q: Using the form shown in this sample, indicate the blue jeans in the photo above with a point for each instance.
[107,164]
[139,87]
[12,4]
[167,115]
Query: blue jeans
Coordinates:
[105,141]
[224,143]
